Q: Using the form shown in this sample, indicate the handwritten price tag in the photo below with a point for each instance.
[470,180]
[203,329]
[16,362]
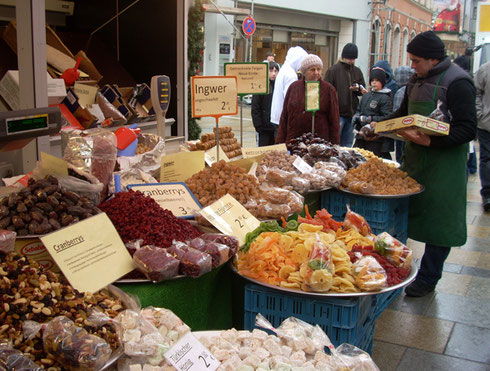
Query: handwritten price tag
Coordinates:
[178,167]
[176,197]
[256,151]
[252,78]
[302,165]
[230,217]
[312,96]
[214,96]
[188,354]
[210,155]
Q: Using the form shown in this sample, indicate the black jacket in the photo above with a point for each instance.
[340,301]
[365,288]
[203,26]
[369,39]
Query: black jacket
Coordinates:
[261,110]
[375,106]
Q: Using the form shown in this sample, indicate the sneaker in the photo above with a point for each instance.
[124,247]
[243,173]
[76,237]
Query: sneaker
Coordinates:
[419,288]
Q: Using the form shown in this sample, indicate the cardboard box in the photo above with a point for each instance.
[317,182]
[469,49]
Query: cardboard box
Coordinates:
[9,89]
[388,128]
[33,248]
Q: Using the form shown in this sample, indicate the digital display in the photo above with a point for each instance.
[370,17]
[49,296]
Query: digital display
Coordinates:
[23,124]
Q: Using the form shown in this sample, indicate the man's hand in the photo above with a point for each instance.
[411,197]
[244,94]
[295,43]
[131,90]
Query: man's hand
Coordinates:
[415,136]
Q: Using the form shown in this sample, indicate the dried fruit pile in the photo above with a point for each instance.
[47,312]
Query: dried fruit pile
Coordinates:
[28,292]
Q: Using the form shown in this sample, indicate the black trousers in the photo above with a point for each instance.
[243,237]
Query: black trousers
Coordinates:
[432,264]
[267,138]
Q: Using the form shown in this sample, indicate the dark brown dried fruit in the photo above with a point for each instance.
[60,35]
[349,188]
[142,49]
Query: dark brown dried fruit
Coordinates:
[53,201]
[12,200]
[41,183]
[21,208]
[43,228]
[76,210]
[25,217]
[32,227]
[4,211]
[40,194]
[55,224]
[66,219]
[36,216]
[4,222]
[45,206]
[72,196]
[50,189]
[18,222]
[53,215]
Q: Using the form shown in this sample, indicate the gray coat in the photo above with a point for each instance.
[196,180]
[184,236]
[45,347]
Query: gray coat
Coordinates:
[482,83]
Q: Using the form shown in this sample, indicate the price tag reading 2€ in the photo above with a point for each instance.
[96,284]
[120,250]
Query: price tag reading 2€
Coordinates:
[176,197]
[214,96]
[188,354]
[230,217]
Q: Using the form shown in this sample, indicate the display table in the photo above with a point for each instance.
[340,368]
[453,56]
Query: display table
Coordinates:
[203,303]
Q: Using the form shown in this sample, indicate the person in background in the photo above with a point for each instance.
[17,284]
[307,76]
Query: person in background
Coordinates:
[261,111]
[295,120]
[270,57]
[402,75]
[286,76]
[437,162]
[391,83]
[464,61]
[374,106]
[482,82]
[348,80]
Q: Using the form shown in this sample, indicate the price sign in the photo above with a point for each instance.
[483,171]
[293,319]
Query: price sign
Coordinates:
[176,197]
[230,217]
[210,155]
[302,165]
[188,354]
[312,96]
[90,253]
[256,151]
[53,165]
[252,78]
[214,96]
[179,167]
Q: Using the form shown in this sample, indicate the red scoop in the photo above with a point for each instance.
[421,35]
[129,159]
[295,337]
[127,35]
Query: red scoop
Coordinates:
[71,74]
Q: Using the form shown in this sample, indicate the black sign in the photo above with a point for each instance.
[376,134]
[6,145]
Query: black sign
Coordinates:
[224,48]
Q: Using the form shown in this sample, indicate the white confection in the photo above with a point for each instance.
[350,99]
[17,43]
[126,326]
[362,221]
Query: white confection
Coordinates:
[245,368]
[182,330]
[128,319]
[223,354]
[299,344]
[206,342]
[252,360]
[230,335]
[321,357]
[172,336]
[255,343]
[243,334]
[261,353]
[244,352]
[286,351]
[163,330]
[132,335]
[278,360]
[135,367]
[272,347]
[298,356]
[310,347]
[259,334]
[224,344]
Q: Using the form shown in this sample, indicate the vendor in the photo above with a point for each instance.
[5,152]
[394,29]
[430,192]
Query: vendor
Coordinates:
[295,121]
[437,216]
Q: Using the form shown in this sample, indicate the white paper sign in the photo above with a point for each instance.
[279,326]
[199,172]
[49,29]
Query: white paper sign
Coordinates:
[302,165]
[188,354]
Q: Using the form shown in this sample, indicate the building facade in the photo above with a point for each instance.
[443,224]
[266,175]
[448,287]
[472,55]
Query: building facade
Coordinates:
[320,27]
[394,24]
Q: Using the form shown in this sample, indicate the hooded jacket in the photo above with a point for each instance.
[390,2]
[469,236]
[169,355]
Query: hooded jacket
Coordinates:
[402,76]
[342,75]
[390,81]
[286,76]
[375,105]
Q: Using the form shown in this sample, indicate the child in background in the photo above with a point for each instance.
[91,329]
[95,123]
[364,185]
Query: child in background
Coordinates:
[374,106]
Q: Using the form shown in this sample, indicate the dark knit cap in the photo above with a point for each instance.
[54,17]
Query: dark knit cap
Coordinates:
[349,51]
[427,45]
[379,74]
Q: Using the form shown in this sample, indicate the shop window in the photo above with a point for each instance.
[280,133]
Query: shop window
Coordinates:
[387,43]
[404,47]
[375,40]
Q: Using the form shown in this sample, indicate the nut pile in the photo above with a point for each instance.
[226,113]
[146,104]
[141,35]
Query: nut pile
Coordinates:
[376,177]
[28,292]
[42,207]
[221,178]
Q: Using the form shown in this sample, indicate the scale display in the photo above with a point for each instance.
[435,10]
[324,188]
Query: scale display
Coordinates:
[17,125]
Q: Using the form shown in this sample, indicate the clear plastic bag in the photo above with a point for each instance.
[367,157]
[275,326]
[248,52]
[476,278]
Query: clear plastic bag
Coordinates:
[7,240]
[298,334]
[357,222]
[156,263]
[169,325]
[220,253]
[72,345]
[349,357]
[395,251]
[193,263]
[318,271]
[13,359]
[230,241]
[369,274]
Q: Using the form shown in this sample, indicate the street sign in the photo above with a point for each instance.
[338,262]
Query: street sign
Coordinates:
[248,26]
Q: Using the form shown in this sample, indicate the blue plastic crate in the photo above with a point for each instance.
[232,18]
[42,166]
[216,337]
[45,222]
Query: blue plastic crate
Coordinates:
[343,320]
[383,214]
[365,341]
[382,301]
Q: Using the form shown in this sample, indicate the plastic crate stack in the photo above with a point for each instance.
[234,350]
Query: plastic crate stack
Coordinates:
[349,320]
[383,214]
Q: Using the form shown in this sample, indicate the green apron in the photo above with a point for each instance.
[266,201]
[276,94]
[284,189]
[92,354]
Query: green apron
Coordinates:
[437,216]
